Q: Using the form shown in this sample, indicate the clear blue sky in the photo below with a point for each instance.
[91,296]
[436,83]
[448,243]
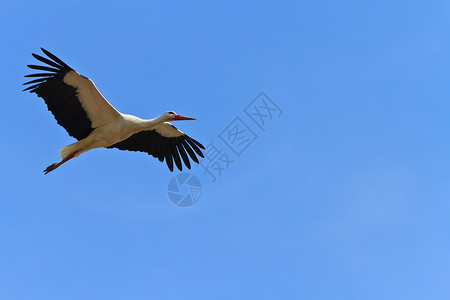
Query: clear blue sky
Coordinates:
[344,196]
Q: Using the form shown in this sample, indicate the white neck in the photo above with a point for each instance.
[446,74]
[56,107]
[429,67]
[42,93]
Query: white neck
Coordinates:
[148,124]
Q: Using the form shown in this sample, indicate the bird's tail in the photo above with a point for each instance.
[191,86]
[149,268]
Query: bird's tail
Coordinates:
[69,150]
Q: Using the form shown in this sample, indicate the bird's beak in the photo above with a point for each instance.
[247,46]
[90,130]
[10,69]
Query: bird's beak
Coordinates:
[178,117]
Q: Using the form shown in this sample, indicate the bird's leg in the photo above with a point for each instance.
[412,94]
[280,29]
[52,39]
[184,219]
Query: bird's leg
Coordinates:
[55,165]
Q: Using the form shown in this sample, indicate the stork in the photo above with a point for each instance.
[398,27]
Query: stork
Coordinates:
[86,115]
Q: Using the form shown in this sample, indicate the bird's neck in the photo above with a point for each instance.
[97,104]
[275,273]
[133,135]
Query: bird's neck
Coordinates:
[149,124]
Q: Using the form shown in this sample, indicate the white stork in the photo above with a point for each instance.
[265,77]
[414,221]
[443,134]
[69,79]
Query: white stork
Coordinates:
[79,107]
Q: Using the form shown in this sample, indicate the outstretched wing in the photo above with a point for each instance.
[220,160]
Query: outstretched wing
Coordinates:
[164,142]
[73,99]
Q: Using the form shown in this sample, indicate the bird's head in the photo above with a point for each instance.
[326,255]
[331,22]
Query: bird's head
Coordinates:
[172,116]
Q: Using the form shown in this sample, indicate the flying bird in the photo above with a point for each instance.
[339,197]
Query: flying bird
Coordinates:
[86,115]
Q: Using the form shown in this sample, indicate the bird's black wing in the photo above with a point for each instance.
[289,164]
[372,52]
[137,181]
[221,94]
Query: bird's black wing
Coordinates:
[170,148]
[61,98]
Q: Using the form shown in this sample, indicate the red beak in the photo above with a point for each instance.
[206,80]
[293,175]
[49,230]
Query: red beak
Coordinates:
[178,117]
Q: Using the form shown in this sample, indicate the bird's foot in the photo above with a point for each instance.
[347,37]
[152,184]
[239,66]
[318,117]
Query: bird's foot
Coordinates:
[51,168]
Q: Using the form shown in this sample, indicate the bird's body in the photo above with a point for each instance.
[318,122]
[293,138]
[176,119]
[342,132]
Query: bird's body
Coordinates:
[86,115]
[114,132]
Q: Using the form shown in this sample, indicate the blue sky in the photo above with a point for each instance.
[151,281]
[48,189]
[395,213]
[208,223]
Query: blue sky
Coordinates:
[344,196]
